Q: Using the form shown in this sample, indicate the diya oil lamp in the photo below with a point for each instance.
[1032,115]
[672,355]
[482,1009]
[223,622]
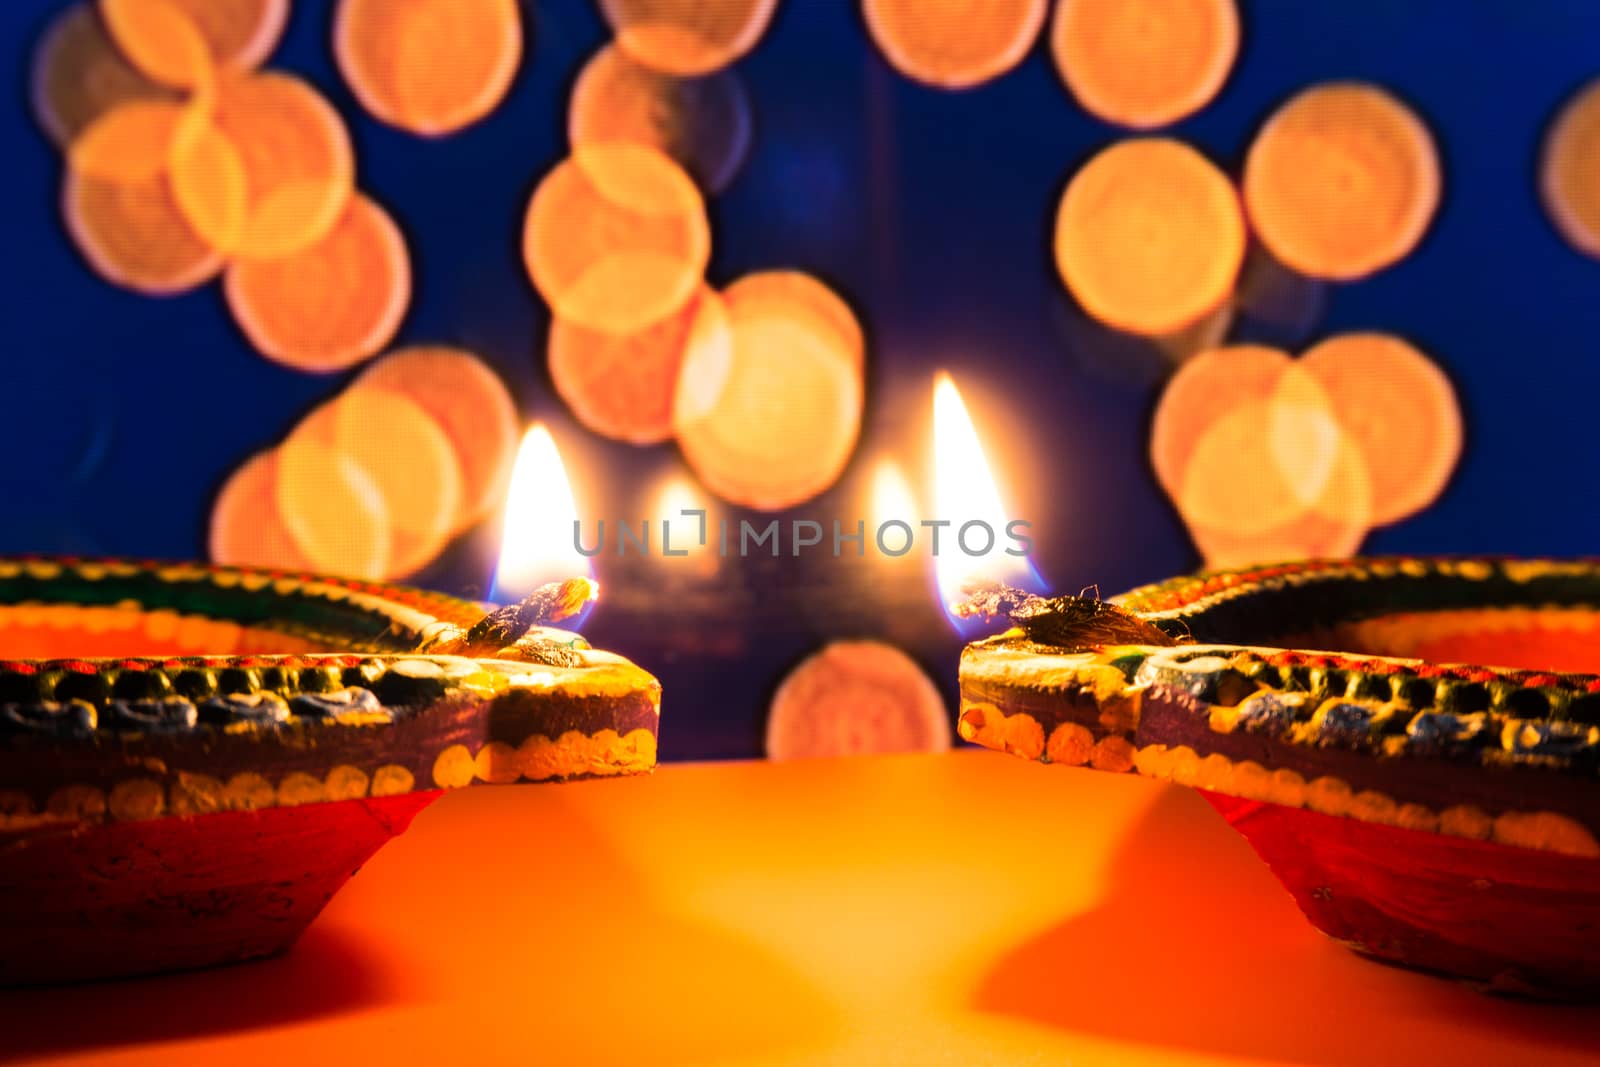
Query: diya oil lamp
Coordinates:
[193,759]
[1421,811]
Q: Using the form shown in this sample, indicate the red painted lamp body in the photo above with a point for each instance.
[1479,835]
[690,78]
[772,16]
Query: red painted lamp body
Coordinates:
[194,759]
[1421,808]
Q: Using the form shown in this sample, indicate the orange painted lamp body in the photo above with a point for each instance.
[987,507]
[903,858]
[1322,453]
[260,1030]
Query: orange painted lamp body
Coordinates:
[1424,812]
[226,746]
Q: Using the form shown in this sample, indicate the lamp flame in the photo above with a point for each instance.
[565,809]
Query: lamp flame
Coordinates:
[965,492]
[538,543]
[689,537]
[892,499]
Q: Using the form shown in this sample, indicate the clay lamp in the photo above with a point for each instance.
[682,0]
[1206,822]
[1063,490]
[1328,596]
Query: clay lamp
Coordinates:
[257,736]
[1430,814]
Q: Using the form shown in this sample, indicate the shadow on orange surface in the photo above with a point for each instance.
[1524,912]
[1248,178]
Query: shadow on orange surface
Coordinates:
[1190,952]
[501,922]
[518,908]
[328,972]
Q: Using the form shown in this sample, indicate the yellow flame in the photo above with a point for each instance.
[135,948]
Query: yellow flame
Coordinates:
[892,498]
[965,491]
[537,543]
[682,532]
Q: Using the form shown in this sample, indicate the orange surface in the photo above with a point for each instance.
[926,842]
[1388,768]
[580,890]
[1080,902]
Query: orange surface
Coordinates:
[964,908]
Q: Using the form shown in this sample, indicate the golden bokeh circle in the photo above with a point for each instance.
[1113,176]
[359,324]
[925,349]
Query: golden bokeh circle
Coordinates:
[1342,181]
[1149,236]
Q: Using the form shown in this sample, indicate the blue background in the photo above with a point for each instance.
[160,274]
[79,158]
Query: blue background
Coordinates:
[931,212]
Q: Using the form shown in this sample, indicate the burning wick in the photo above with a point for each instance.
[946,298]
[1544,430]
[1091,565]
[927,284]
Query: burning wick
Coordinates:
[1062,621]
[548,603]
[515,624]
[965,494]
